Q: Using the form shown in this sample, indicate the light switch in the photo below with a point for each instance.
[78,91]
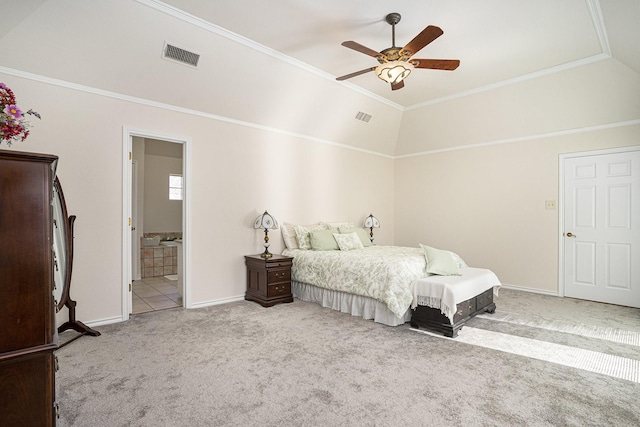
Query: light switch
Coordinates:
[549,204]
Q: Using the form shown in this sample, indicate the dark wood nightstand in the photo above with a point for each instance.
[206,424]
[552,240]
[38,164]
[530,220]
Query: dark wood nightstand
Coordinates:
[268,279]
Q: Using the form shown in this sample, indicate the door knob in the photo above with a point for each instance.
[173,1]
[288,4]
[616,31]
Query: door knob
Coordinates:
[570,234]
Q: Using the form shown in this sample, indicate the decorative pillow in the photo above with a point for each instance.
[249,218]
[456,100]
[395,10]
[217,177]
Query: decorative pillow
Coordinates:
[459,261]
[289,236]
[323,240]
[440,262]
[336,225]
[362,234]
[347,242]
[302,234]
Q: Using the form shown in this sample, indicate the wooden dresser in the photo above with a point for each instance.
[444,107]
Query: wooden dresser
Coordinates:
[268,279]
[28,335]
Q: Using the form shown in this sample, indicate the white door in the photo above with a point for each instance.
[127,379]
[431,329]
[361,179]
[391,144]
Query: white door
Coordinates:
[601,220]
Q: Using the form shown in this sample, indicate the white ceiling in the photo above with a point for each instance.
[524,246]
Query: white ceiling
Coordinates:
[497,41]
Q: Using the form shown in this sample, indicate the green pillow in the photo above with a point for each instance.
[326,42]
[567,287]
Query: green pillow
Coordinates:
[440,262]
[322,240]
[362,234]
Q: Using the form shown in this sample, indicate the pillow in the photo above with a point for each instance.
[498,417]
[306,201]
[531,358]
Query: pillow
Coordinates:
[323,240]
[347,242]
[336,225]
[302,234]
[362,234]
[440,262]
[289,236]
[459,261]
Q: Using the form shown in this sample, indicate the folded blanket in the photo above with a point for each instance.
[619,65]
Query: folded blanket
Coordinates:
[445,292]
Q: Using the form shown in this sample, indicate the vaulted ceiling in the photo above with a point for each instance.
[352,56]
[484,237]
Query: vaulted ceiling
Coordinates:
[497,41]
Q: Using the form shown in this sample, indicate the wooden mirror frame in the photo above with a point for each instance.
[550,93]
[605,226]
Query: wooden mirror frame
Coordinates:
[66,243]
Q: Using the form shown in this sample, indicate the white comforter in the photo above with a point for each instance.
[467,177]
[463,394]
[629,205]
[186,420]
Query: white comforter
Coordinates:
[385,273]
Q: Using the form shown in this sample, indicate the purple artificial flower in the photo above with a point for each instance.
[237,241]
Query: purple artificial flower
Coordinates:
[13,111]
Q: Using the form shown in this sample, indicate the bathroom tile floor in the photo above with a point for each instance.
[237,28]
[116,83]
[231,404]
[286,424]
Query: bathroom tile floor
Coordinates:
[155,293]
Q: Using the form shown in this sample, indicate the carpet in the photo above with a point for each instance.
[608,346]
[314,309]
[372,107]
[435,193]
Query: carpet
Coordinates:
[300,364]
[486,331]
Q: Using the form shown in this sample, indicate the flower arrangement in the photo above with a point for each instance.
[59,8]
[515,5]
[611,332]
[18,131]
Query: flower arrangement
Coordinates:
[13,123]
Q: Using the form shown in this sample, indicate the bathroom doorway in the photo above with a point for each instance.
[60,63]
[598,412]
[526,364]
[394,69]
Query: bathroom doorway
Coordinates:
[155,276]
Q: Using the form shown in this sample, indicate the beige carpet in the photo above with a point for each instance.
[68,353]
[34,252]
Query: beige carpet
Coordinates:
[301,365]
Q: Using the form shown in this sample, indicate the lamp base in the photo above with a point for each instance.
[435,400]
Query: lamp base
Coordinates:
[266,254]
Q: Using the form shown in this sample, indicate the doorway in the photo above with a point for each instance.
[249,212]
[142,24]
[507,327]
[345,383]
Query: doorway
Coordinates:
[600,223]
[163,232]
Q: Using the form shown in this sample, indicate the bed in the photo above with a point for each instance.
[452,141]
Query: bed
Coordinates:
[389,284]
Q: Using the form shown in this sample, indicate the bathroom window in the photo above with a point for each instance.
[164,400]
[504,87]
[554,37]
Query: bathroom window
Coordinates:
[175,187]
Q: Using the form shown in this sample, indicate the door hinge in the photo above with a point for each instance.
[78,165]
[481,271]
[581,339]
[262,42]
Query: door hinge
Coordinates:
[129,287]
[129,221]
[130,156]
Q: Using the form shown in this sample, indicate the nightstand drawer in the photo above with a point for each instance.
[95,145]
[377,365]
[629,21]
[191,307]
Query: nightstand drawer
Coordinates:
[278,289]
[268,279]
[279,276]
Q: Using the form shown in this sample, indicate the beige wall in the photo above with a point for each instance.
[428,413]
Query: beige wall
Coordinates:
[286,140]
[236,173]
[490,160]
[488,203]
[160,213]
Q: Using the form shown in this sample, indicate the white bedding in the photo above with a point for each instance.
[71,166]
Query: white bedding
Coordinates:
[384,273]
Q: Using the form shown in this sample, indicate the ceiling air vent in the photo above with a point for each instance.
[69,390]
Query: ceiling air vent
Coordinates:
[363,117]
[183,56]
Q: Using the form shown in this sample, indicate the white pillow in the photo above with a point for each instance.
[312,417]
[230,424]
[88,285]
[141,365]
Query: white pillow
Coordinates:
[302,234]
[336,225]
[348,242]
[289,236]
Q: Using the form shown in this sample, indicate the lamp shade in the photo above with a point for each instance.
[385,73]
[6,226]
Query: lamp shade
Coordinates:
[371,222]
[265,221]
[394,71]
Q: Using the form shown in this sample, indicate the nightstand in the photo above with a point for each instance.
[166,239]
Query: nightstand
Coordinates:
[268,279]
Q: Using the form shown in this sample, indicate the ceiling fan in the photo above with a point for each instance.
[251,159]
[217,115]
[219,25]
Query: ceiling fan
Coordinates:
[395,62]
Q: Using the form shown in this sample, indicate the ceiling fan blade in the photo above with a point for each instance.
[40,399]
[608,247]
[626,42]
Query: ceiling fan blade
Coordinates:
[436,64]
[427,35]
[362,49]
[357,73]
[397,86]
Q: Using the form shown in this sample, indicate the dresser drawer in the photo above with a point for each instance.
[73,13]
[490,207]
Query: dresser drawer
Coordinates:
[274,276]
[278,289]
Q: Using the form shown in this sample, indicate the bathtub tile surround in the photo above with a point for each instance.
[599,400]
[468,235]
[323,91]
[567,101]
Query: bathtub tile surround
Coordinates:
[158,260]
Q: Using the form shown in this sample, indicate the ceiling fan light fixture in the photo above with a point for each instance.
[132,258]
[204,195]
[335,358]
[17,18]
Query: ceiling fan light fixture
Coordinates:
[394,71]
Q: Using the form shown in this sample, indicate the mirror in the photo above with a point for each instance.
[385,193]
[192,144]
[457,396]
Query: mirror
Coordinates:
[63,264]
[59,246]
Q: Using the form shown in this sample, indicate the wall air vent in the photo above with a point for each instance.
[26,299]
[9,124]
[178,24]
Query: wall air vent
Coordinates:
[363,117]
[182,56]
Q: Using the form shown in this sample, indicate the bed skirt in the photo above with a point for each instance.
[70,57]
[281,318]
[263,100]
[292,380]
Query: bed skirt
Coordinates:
[356,305]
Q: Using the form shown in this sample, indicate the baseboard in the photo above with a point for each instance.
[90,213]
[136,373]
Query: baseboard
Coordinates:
[532,290]
[102,322]
[216,302]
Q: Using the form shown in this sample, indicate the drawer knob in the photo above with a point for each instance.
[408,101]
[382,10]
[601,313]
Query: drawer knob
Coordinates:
[280,275]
